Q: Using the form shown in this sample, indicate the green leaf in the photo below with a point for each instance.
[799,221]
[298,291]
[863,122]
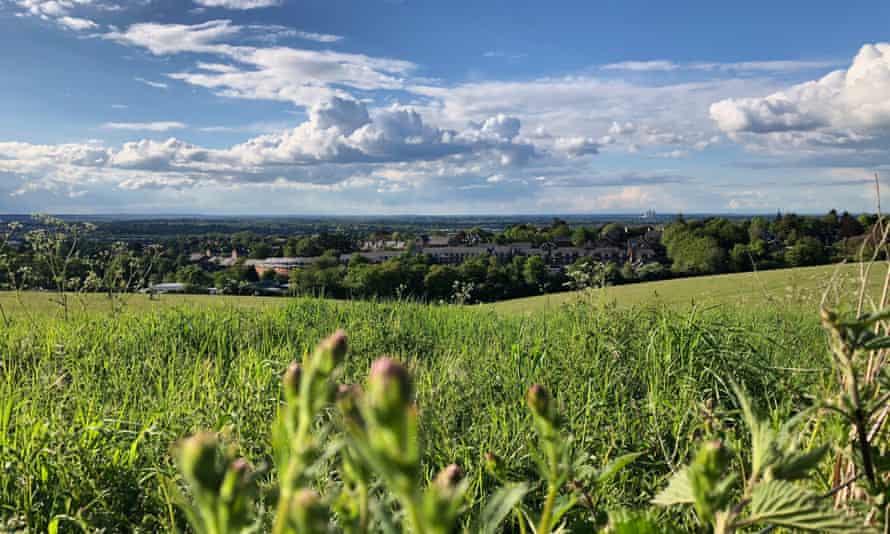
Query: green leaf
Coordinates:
[783,504]
[678,490]
[615,466]
[633,522]
[499,507]
[877,343]
[797,464]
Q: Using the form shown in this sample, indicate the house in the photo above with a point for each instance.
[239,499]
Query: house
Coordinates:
[384,244]
[282,266]
[427,241]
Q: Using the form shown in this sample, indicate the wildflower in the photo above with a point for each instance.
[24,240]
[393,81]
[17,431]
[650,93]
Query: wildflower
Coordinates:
[389,388]
[448,479]
[331,352]
[291,380]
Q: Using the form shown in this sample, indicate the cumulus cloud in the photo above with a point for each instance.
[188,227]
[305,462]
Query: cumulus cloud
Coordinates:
[339,141]
[840,119]
[857,98]
[577,146]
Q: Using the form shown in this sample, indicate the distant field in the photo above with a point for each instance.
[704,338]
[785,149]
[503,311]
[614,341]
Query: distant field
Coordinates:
[44,302]
[800,287]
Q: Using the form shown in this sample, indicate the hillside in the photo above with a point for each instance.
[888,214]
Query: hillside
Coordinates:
[801,287]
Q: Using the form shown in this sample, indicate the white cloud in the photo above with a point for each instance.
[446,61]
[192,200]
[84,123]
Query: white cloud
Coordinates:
[304,77]
[77,23]
[238,4]
[664,65]
[160,126]
[577,146]
[843,115]
[150,83]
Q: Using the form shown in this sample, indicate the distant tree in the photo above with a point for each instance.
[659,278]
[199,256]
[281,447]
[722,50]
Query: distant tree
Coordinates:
[612,232]
[806,251]
[260,251]
[580,236]
[534,273]
[850,226]
[439,282]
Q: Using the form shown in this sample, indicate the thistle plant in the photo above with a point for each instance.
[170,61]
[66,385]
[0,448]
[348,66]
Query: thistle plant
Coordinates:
[379,450]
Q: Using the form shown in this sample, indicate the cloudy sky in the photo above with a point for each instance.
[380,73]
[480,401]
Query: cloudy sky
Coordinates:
[423,106]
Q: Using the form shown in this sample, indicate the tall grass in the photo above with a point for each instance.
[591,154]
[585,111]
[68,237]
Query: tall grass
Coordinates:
[89,407]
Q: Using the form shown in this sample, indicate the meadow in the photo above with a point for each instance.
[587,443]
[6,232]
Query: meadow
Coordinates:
[91,406]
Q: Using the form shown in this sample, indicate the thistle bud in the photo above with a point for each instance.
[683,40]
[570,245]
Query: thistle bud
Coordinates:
[200,461]
[331,352]
[449,478]
[236,479]
[291,379]
[308,512]
[539,402]
[389,387]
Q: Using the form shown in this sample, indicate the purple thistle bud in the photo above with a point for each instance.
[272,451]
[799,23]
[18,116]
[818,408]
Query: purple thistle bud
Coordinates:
[292,377]
[389,385]
[449,478]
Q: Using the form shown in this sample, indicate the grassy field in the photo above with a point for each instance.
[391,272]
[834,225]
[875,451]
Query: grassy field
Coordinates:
[90,406]
[802,287]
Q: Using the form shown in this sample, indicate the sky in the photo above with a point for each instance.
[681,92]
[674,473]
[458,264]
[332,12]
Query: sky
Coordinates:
[305,107]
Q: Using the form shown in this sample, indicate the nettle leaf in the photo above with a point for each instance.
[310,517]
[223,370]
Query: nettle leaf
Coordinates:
[797,464]
[678,490]
[499,506]
[615,466]
[784,504]
[628,522]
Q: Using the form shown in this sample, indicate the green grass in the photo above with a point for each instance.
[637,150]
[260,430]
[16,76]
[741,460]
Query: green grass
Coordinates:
[90,407]
[802,287]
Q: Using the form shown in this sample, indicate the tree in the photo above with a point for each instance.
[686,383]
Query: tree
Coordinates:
[439,281]
[696,255]
[260,251]
[580,236]
[807,251]
[534,273]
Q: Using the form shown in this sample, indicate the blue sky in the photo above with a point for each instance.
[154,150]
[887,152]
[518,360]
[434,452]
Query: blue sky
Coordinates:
[387,107]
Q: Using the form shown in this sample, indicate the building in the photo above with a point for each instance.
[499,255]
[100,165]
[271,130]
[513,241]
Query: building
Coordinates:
[282,266]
